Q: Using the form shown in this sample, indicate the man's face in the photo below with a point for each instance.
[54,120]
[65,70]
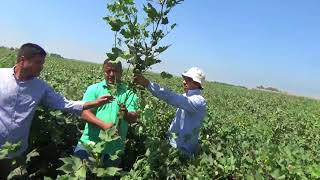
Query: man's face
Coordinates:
[112,73]
[189,84]
[32,67]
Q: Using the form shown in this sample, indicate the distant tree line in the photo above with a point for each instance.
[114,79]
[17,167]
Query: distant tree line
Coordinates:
[268,88]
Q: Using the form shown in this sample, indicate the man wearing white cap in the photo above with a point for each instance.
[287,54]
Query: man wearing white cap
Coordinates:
[191,108]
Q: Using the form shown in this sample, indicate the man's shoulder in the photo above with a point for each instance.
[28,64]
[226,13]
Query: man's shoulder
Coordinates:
[39,83]
[199,99]
[96,86]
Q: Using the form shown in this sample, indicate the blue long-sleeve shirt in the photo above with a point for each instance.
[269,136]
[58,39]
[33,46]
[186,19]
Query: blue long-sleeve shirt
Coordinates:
[18,102]
[191,110]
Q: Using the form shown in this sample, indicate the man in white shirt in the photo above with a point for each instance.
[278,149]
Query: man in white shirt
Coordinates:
[21,92]
[191,108]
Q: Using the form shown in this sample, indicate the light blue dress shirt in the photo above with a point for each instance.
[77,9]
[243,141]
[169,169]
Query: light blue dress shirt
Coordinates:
[18,102]
[191,110]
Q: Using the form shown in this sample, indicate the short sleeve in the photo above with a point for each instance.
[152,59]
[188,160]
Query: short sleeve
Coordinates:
[90,95]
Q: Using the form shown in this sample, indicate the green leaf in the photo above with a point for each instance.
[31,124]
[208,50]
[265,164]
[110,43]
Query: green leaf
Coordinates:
[81,172]
[173,26]
[276,174]
[126,34]
[314,170]
[67,160]
[8,148]
[18,172]
[165,21]
[99,147]
[4,153]
[173,136]
[166,12]
[67,177]
[32,154]
[115,155]
[147,152]
[258,176]
[66,168]
[149,61]
[110,171]
[161,49]
[71,164]
[77,162]
[249,177]
[99,172]
[172,3]
[116,52]
[109,135]
[126,55]
[92,159]
[115,23]
[151,11]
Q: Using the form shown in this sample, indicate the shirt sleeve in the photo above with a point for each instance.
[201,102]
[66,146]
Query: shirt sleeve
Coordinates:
[55,100]
[190,104]
[90,95]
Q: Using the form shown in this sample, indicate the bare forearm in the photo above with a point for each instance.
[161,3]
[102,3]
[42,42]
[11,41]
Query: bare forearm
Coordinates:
[91,118]
[98,102]
[89,105]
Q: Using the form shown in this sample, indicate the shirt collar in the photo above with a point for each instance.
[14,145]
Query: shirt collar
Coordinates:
[120,86]
[194,92]
[18,79]
[104,84]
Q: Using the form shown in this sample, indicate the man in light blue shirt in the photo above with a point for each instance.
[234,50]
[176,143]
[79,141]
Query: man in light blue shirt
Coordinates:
[191,110]
[21,92]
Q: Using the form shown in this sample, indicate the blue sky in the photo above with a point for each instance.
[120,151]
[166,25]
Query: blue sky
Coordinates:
[248,42]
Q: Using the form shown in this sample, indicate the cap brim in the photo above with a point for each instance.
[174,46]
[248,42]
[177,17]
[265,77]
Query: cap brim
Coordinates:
[185,75]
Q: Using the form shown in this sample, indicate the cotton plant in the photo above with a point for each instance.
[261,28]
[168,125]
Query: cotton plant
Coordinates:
[137,41]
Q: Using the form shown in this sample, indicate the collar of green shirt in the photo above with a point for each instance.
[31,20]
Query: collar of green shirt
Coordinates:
[121,86]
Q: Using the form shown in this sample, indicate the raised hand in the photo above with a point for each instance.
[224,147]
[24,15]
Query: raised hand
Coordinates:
[140,80]
[103,100]
[98,102]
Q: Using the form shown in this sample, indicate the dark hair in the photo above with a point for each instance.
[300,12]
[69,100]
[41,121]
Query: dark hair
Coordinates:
[116,63]
[29,50]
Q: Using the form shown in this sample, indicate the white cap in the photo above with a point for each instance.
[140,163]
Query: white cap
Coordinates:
[196,74]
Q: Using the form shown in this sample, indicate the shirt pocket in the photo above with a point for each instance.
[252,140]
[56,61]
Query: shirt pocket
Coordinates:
[24,108]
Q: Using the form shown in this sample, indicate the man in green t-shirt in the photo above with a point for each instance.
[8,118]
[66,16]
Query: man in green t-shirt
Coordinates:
[106,116]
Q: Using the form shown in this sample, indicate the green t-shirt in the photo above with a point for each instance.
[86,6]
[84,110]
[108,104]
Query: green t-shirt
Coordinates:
[108,113]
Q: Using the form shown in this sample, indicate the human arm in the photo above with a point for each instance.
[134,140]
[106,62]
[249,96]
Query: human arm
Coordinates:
[191,103]
[55,100]
[90,117]
[130,117]
[98,102]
